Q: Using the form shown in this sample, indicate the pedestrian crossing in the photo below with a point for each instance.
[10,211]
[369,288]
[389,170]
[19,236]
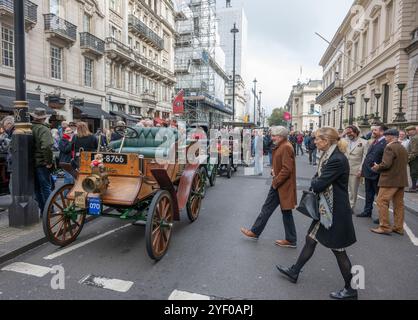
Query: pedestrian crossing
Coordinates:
[101,282]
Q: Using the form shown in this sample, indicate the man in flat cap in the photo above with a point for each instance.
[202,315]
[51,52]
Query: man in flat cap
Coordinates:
[282,191]
[413,157]
[392,182]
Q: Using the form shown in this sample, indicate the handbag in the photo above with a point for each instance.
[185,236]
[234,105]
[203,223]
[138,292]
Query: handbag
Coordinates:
[309,205]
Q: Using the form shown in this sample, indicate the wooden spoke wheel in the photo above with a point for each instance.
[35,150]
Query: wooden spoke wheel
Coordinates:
[195,198]
[212,178]
[159,225]
[62,221]
[203,176]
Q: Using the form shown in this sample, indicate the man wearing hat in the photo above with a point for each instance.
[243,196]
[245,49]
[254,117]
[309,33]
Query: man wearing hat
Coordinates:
[42,150]
[282,191]
[392,183]
[116,136]
[413,157]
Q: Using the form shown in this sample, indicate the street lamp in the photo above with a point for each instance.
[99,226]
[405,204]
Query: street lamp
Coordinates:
[377,95]
[320,122]
[341,104]
[334,112]
[255,97]
[351,99]
[400,116]
[234,31]
[366,118]
[259,108]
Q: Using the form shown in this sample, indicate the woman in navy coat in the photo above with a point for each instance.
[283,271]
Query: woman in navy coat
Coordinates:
[335,230]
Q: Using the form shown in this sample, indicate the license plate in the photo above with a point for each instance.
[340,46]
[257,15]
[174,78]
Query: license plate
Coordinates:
[95,206]
[109,158]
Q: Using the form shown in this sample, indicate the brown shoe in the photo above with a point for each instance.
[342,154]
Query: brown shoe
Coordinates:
[400,232]
[249,234]
[380,231]
[285,244]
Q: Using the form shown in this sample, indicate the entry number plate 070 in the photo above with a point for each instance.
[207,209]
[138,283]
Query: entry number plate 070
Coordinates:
[114,158]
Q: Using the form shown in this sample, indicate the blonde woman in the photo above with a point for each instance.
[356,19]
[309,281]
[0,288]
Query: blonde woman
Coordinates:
[335,230]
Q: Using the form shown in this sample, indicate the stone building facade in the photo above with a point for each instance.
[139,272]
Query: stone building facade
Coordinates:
[369,56]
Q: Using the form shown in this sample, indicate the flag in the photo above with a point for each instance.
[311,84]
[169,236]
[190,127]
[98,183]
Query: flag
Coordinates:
[287,116]
[178,103]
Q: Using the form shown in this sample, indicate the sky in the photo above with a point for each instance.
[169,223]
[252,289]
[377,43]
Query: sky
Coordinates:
[281,40]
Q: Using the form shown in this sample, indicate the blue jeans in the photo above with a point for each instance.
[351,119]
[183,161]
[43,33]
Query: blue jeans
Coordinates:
[43,186]
[271,157]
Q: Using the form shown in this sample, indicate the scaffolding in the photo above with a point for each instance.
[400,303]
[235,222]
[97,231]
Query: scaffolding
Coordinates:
[198,62]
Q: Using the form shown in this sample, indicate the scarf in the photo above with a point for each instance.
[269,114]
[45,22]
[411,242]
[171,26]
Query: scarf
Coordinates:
[326,198]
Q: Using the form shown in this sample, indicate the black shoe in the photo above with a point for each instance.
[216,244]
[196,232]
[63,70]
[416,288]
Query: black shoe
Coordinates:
[345,294]
[364,215]
[376,221]
[289,273]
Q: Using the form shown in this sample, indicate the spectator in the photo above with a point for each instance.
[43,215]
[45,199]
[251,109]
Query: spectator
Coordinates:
[392,183]
[312,149]
[268,146]
[56,136]
[42,143]
[356,153]
[83,141]
[335,230]
[64,125]
[101,139]
[371,178]
[293,140]
[8,125]
[413,157]
[403,139]
[116,136]
[282,191]
[66,152]
[299,143]
[306,140]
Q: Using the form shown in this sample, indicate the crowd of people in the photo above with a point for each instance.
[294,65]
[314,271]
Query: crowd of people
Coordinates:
[381,157]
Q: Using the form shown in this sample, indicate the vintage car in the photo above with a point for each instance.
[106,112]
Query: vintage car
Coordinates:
[128,184]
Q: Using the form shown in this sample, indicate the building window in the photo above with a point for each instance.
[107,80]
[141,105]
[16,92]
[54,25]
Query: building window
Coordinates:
[375,34]
[115,5]
[54,7]
[389,19]
[87,23]
[365,45]
[56,63]
[130,82]
[7,46]
[312,109]
[138,84]
[88,72]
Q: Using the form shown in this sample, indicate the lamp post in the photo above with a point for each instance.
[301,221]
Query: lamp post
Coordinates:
[341,104]
[320,122]
[255,97]
[23,210]
[234,31]
[366,119]
[259,108]
[400,116]
[351,99]
[377,95]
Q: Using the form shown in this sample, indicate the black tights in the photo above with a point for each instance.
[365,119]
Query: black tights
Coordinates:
[342,259]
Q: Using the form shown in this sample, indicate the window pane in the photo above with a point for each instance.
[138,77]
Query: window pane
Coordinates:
[56,62]
[7,36]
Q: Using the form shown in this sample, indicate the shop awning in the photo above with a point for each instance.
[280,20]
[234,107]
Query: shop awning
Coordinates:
[125,116]
[7,103]
[94,111]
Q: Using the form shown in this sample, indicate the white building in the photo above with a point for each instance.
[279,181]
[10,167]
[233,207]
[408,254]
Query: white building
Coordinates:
[306,113]
[230,13]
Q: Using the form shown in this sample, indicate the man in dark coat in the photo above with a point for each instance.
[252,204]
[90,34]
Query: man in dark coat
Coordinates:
[392,183]
[371,177]
[282,191]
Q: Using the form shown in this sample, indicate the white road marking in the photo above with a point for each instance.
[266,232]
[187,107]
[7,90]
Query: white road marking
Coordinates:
[105,283]
[408,231]
[84,243]
[183,295]
[27,268]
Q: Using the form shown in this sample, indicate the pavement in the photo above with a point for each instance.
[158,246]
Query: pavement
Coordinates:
[210,259]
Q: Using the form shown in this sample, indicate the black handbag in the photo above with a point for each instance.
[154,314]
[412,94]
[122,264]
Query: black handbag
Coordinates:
[309,205]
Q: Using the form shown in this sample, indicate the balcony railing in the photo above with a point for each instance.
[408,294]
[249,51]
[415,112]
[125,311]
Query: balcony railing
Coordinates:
[60,27]
[92,43]
[138,26]
[31,10]
[332,91]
